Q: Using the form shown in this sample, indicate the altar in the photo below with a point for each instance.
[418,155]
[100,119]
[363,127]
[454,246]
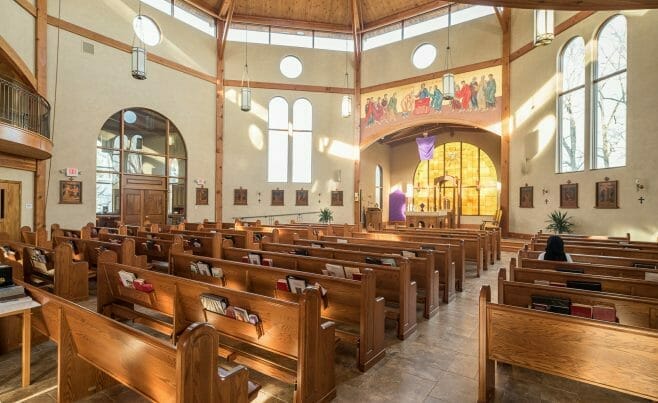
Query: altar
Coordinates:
[429,219]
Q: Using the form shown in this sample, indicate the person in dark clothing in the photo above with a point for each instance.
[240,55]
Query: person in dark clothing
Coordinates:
[555,250]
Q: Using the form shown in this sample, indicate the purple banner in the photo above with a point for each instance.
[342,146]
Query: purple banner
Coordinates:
[397,203]
[425,147]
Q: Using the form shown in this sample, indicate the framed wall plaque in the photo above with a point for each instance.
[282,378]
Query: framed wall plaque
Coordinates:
[70,192]
[526,197]
[607,195]
[337,198]
[240,197]
[301,197]
[277,197]
[201,196]
[569,195]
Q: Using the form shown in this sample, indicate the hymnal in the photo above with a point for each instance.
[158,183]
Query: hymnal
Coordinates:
[582,310]
[127,278]
[584,285]
[316,245]
[606,313]
[387,261]
[5,276]
[241,314]
[204,268]
[407,253]
[282,284]
[254,319]
[339,240]
[373,260]
[254,258]
[296,285]
[350,272]
[645,266]
[217,272]
[268,262]
[335,270]
[427,247]
[651,276]
[300,252]
[323,291]
[214,303]
[555,304]
[542,282]
[141,285]
[568,270]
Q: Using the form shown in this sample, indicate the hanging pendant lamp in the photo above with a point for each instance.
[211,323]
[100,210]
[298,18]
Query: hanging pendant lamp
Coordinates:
[544,27]
[138,52]
[245,91]
[346,104]
[448,77]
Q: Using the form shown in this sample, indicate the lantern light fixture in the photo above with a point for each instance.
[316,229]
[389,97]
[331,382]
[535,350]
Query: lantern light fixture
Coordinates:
[138,52]
[245,91]
[544,27]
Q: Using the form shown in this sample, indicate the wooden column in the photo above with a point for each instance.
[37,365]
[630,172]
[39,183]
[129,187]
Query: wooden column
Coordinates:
[506,25]
[219,123]
[41,69]
[356,107]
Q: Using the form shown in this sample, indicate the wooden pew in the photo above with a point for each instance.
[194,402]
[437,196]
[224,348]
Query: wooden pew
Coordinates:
[597,259]
[423,270]
[585,268]
[351,304]
[209,244]
[37,238]
[632,311]
[68,278]
[613,285]
[293,332]
[473,250]
[457,252]
[94,352]
[156,250]
[651,246]
[626,238]
[393,283]
[89,250]
[240,239]
[82,233]
[603,251]
[443,262]
[613,356]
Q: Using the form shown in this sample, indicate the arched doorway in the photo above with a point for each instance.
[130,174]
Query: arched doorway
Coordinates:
[141,169]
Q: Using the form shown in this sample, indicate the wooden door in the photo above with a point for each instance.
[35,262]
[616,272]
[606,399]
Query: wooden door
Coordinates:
[10,209]
[133,206]
[155,205]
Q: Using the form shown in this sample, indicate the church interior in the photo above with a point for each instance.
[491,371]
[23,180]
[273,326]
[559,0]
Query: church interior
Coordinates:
[328,200]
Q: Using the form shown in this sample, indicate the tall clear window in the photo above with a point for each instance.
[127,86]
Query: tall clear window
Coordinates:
[571,107]
[277,143]
[379,186]
[302,140]
[609,95]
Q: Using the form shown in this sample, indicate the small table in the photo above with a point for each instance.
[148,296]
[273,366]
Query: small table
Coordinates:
[25,309]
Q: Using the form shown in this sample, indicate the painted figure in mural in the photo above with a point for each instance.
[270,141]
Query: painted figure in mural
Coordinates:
[465,95]
[385,108]
[423,93]
[474,93]
[456,102]
[407,104]
[370,112]
[393,106]
[482,99]
[491,92]
[379,111]
[437,99]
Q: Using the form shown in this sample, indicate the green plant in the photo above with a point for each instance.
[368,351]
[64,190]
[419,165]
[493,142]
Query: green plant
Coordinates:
[326,216]
[560,223]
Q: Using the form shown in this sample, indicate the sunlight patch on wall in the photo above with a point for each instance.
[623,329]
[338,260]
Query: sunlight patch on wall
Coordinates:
[323,143]
[546,131]
[256,137]
[538,100]
[257,110]
[343,150]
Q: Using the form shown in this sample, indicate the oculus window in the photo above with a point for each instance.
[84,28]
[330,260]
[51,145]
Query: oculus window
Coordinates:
[291,67]
[424,56]
[147,30]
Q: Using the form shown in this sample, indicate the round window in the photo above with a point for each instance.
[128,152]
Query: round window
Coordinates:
[146,30]
[424,55]
[291,67]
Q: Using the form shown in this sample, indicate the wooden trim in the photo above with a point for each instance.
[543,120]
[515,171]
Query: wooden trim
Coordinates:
[405,14]
[432,76]
[78,30]
[570,5]
[20,163]
[41,73]
[519,235]
[357,26]
[202,8]
[505,126]
[17,63]
[27,7]
[18,141]
[560,28]
[290,87]
[293,24]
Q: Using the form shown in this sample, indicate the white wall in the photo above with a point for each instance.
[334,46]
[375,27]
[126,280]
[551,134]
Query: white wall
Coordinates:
[26,178]
[17,28]
[533,104]
[376,154]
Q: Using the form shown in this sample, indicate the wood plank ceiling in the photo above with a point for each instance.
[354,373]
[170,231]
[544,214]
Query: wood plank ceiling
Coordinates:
[335,15]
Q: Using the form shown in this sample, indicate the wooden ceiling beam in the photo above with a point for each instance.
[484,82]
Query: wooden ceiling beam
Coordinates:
[357,28]
[201,8]
[292,24]
[405,14]
[225,25]
[571,5]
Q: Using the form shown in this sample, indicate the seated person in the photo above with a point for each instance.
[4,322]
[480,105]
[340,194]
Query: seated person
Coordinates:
[555,250]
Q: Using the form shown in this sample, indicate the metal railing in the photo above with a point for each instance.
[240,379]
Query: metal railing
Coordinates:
[21,107]
[269,219]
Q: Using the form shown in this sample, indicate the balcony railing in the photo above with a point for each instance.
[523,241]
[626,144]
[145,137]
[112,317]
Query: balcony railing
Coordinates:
[22,108]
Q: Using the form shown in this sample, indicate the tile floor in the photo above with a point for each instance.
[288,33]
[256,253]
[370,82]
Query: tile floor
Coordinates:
[436,364]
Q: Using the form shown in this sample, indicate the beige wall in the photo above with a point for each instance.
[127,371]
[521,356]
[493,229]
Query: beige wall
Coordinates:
[17,27]
[87,89]
[471,42]
[376,154]
[26,178]
[180,42]
[533,103]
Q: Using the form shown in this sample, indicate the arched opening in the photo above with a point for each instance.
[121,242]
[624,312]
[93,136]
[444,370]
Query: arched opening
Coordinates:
[141,169]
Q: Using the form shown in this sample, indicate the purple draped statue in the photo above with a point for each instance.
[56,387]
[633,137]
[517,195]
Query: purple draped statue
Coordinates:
[425,147]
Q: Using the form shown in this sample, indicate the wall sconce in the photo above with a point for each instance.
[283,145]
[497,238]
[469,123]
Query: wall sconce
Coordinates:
[638,185]
[200,182]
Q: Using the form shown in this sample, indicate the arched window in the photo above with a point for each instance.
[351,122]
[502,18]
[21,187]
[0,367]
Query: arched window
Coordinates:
[277,143]
[141,142]
[609,93]
[571,107]
[302,140]
[379,186]
[476,174]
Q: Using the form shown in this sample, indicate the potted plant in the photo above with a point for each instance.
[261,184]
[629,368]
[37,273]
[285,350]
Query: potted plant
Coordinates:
[560,223]
[326,216]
